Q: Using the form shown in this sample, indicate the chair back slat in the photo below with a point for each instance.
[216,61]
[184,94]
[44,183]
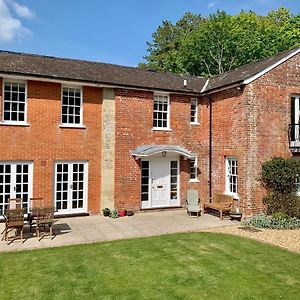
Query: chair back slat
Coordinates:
[15,203]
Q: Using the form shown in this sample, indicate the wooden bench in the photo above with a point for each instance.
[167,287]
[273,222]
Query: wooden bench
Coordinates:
[220,202]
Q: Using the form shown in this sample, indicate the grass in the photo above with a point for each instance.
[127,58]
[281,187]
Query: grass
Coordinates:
[179,266]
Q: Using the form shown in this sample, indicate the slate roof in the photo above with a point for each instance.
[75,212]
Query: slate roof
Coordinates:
[15,63]
[239,75]
[148,150]
[95,72]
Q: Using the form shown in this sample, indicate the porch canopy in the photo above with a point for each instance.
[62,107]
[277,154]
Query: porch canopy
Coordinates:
[149,150]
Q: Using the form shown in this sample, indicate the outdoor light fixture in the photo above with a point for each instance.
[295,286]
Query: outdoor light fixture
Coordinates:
[164,153]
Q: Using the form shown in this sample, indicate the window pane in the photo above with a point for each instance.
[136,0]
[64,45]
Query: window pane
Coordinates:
[160,109]
[71,110]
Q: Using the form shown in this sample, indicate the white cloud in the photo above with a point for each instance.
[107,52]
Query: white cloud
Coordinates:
[21,10]
[11,27]
[213,4]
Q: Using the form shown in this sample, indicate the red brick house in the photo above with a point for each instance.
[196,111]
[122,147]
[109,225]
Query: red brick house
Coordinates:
[87,135]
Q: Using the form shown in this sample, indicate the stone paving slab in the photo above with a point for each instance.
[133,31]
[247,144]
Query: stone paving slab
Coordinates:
[96,228]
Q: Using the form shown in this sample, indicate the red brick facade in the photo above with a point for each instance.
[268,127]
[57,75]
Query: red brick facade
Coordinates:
[44,142]
[249,123]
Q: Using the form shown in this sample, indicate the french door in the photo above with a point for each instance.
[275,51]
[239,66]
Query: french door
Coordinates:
[160,182]
[71,186]
[15,182]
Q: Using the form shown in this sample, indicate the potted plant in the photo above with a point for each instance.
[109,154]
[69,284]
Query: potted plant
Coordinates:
[236,214]
[106,212]
[114,214]
[122,213]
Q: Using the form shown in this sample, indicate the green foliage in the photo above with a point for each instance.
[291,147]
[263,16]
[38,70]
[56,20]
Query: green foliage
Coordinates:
[278,177]
[106,211]
[277,221]
[208,46]
[114,214]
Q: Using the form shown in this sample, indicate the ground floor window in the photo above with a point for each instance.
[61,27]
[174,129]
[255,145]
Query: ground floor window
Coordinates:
[193,169]
[145,181]
[231,175]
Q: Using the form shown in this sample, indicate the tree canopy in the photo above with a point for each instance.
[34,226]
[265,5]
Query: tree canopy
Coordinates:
[201,46]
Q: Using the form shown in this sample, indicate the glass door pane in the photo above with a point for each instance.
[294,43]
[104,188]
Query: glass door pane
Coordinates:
[77,185]
[22,183]
[5,186]
[62,186]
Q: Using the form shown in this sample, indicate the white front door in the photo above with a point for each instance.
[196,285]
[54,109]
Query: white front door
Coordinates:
[71,187]
[160,182]
[15,182]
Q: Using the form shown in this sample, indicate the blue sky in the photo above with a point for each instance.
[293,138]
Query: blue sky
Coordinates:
[113,31]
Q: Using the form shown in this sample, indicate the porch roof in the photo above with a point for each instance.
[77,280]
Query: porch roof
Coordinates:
[149,150]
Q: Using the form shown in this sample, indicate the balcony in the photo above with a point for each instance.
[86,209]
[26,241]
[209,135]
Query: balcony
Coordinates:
[294,137]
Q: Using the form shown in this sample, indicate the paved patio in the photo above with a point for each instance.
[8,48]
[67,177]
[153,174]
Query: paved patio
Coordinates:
[96,228]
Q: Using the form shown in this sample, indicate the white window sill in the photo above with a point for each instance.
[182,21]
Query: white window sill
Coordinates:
[24,124]
[72,126]
[161,129]
[194,180]
[235,196]
[195,123]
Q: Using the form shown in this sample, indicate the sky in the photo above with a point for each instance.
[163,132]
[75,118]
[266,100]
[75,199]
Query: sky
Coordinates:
[111,31]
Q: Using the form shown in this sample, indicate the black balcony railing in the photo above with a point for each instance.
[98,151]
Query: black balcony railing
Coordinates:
[294,136]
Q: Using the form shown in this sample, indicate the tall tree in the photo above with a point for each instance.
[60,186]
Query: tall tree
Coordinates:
[208,46]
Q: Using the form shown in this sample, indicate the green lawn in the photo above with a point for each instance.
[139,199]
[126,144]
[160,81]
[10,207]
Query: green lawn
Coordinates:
[179,266]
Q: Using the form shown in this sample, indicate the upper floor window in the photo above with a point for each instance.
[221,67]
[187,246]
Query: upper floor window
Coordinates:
[71,106]
[232,176]
[194,110]
[14,102]
[193,169]
[161,112]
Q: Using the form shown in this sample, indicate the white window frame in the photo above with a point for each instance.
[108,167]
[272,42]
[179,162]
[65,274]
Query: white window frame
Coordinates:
[195,170]
[168,112]
[228,160]
[80,125]
[195,122]
[9,122]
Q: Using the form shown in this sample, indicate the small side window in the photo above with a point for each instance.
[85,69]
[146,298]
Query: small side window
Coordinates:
[194,111]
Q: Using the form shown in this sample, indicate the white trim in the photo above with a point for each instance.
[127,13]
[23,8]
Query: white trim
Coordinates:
[8,122]
[81,106]
[168,112]
[196,112]
[161,129]
[205,86]
[78,126]
[227,183]
[69,209]
[261,73]
[24,124]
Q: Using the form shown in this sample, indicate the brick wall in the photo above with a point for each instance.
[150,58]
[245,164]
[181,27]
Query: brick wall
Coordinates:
[134,117]
[252,125]
[43,141]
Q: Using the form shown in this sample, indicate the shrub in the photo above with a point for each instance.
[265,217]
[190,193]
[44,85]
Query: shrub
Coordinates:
[278,177]
[279,221]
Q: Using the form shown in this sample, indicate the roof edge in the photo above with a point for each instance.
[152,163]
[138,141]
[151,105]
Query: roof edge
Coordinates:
[261,73]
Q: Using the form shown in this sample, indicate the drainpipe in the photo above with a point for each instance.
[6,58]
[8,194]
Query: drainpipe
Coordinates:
[210,149]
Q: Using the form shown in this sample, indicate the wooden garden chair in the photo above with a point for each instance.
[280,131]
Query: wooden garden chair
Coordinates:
[35,204]
[45,217]
[14,220]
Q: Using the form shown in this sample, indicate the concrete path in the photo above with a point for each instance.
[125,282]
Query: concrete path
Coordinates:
[96,228]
